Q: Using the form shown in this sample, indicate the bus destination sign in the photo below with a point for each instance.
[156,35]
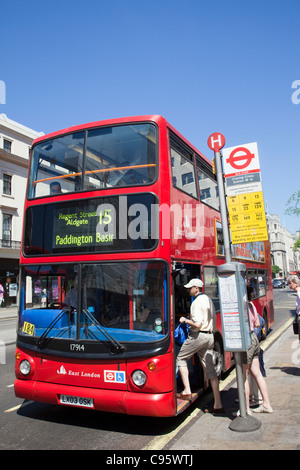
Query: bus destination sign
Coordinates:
[113,223]
[77,227]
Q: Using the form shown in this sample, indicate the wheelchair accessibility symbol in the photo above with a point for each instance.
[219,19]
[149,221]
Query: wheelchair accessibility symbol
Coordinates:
[114,376]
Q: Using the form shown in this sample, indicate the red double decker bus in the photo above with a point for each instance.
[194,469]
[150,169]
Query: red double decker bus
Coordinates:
[119,215]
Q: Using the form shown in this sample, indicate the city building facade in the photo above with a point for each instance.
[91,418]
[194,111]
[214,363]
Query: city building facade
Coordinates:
[282,247]
[15,144]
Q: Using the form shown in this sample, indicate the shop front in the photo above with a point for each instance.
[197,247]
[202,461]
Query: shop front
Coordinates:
[9,276]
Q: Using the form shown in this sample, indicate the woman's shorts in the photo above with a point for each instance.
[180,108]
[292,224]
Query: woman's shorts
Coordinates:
[253,350]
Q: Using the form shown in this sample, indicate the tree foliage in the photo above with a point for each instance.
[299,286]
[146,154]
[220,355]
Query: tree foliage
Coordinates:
[293,208]
[293,204]
[296,245]
[275,269]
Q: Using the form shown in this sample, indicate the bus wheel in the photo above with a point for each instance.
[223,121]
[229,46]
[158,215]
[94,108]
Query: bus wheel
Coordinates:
[218,357]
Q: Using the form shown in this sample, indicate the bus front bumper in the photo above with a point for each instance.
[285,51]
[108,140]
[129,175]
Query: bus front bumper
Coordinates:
[115,401]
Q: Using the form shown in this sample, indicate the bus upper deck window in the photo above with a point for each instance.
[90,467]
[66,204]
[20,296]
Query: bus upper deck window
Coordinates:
[94,159]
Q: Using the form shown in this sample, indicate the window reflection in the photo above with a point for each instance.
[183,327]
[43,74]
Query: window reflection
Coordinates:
[94,159]
[128,299]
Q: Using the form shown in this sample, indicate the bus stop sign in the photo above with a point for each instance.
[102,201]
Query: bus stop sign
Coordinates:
[216,141]
[240,158]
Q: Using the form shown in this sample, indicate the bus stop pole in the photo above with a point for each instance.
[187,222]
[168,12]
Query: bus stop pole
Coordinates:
[223,208]
[228,259]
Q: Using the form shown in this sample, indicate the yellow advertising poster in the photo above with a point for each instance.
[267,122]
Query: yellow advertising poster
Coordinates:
[247,217]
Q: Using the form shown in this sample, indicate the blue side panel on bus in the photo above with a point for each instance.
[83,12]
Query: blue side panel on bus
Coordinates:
[94,334]
[43,317]
[122,334]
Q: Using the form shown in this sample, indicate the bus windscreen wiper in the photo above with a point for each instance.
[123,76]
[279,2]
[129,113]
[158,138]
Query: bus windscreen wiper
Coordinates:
[52,325]
[117,346]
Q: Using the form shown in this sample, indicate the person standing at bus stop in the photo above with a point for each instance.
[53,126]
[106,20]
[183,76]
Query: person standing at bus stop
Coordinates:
[250,360]
[200,341]
[294,284]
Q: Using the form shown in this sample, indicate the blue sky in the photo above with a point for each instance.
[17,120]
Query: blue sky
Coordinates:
[206,66]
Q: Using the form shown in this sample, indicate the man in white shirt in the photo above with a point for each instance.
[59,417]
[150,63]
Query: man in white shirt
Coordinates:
[200,341]
[70,300]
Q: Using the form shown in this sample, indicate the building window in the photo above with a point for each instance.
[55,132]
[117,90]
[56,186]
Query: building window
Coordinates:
[205,194]
[6,230]
[209,193]
[183,170]
[183,174]
[187,178]
[7,184]
[7,145]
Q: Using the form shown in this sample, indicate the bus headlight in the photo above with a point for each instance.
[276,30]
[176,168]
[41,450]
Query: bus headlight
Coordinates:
[25,367]
[139,378]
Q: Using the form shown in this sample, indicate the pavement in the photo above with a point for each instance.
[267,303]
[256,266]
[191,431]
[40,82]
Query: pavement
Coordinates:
[8,336]
[278,431]
[199,431]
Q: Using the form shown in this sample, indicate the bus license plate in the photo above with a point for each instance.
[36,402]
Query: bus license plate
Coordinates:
[76,401]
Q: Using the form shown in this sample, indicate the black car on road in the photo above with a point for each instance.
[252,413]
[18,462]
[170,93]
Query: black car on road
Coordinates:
[278,283]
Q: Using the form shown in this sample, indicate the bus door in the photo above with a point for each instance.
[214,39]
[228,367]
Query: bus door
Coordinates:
[182,273]
[148,302]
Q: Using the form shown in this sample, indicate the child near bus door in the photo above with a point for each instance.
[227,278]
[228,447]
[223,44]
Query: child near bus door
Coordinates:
[200,341]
